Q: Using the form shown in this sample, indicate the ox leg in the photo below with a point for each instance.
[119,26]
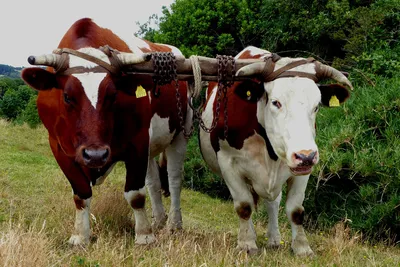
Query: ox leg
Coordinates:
[175,154]
[273,234]
[153,185]
[295,212]
[244,205]
[135,191]
[81,234]
[143,232]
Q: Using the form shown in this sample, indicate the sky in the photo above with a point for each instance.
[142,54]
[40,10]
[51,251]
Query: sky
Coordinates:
[35,27]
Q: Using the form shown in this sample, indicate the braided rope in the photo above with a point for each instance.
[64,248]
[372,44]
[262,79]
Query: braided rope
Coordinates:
[196,89]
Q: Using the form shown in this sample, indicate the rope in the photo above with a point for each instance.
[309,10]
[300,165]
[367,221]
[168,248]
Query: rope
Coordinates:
[196,89]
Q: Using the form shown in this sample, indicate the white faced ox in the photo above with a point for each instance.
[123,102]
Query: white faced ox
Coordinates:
[270,139]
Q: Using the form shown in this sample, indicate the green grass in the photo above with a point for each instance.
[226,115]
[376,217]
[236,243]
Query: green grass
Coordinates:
[37,216]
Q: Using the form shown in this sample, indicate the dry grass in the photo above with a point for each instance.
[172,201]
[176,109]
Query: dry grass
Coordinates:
[37,213]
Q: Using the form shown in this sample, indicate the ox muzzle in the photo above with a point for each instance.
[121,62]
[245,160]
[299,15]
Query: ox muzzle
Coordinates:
[94,156]
[304,160]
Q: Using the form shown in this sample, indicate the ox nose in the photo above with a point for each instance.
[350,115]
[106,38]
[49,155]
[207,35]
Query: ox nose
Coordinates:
[94,158]
[305,157]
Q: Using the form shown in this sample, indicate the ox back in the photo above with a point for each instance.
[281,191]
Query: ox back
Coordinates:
[269,142]
[96,118]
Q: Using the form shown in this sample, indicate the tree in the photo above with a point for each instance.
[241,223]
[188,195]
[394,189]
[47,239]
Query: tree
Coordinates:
[208,27]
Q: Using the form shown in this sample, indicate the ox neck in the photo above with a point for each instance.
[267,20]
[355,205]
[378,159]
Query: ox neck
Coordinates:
[270,149]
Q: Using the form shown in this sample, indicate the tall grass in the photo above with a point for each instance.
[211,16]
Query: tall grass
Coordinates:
[37,215]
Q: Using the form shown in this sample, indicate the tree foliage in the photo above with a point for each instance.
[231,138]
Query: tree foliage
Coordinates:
[17,101]
[358,180]
[349,33]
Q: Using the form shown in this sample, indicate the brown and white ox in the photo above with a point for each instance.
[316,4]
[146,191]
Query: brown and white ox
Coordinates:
[97,115]
[270,140]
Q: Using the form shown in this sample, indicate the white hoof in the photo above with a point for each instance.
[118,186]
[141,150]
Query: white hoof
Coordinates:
[274,242]
[301,248]
[145,239]
[159,224]
[250,247]
[77,240]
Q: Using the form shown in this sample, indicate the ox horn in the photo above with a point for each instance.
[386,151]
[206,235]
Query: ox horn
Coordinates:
[51,60]
[130,58]
[325,72]
[251,69]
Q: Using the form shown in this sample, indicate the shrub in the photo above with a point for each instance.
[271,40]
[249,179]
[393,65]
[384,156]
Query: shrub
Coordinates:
[358,178]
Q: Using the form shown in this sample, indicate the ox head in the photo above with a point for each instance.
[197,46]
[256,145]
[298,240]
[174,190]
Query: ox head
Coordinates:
[287,105]
[84,95]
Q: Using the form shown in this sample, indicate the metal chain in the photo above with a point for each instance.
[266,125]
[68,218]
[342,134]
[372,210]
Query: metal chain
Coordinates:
[225,64]
[165,72]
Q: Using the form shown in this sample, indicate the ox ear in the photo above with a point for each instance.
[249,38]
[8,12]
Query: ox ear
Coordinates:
[250,90]
[39,79]
[333,94]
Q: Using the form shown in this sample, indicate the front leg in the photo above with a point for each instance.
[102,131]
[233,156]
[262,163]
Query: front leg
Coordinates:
[80,184]
[175,155]
[135,192]
[295,213]
[244,205]
[273,233]
[82,232]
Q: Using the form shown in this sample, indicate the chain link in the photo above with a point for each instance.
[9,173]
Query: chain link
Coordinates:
[165,72]
[226,66]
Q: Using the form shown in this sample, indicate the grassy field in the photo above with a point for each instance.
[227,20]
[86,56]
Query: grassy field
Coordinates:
[37,216]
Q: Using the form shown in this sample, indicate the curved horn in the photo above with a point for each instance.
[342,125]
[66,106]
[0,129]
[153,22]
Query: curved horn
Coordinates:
[325,71]
[130,58]
[51,60]
[251,69]
[263,69]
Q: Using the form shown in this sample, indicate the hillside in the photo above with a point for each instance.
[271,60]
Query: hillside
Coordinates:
[10,71]
[37,216]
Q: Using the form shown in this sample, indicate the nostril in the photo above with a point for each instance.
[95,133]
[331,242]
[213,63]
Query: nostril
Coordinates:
[297,156]
[105,155]
[312,155]
[85,155]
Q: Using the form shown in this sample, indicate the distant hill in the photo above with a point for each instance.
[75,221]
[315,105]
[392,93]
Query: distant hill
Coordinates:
[9,71]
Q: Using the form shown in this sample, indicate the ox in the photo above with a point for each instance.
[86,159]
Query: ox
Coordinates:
[96,115]
[270,139]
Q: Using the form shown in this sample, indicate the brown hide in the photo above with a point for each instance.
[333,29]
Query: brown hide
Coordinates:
[120,123]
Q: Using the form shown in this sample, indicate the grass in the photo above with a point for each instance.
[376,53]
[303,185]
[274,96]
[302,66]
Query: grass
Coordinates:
[37,216]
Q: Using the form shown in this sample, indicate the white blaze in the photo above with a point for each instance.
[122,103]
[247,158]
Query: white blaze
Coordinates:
[90,81]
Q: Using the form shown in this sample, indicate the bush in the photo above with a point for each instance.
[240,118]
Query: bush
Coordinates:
[358,178]
[30,114]
[14,101]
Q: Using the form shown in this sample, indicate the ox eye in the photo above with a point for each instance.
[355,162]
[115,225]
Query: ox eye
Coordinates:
[67,99]
[276,103]
[316,109]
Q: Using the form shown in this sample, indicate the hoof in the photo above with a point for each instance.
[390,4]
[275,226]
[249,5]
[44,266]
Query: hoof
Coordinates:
[249,249]
[274,242]
[145,239]
[159,224]
[303,252]
[173,228]
[78,240]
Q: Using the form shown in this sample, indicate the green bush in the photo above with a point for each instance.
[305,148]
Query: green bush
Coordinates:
[14,101]
[30,113]
[358,178]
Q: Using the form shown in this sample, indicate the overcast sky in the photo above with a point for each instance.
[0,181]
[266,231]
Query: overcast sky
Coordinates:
[35,27]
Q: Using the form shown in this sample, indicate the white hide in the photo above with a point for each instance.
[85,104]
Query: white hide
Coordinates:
[90,81]
[82,225]
[290,129]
